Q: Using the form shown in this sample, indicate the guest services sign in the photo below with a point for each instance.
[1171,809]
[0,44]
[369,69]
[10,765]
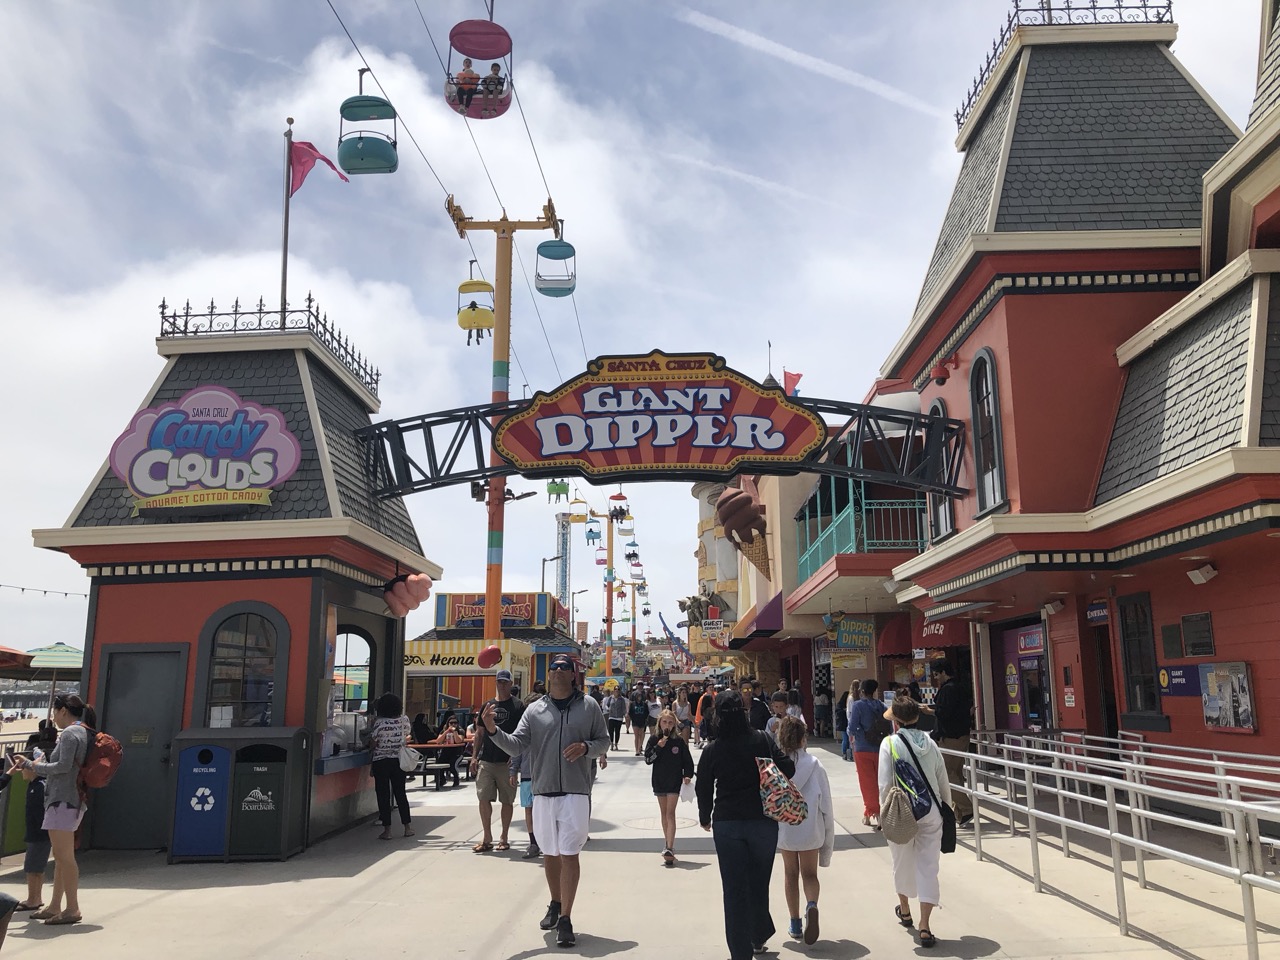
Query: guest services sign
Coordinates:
[655,416]
[210,452]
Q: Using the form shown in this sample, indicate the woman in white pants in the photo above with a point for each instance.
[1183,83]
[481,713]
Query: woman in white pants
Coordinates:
[915,864]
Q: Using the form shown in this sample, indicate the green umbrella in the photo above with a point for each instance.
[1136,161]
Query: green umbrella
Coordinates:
[55,657]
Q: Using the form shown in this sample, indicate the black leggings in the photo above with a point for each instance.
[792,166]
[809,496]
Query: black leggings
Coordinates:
[388,782]
[615,730]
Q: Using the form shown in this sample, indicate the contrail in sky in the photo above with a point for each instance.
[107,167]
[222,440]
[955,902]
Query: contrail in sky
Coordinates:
[770,185]
[823,68]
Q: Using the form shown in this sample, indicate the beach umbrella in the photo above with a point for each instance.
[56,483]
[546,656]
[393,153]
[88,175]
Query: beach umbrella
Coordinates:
[55,657]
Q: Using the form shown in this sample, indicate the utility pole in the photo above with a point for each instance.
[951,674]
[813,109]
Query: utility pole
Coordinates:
[504,231]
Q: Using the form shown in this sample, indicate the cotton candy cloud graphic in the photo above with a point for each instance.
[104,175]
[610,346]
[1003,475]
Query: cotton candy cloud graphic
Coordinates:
[213,422]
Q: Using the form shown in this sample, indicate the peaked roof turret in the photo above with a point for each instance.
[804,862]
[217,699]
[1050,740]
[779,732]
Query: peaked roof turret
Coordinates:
[1076,127]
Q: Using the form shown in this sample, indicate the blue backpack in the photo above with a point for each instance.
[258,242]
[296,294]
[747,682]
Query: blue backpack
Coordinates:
[908,776]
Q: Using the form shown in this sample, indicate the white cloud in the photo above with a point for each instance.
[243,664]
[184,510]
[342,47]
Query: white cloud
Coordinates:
[708,213]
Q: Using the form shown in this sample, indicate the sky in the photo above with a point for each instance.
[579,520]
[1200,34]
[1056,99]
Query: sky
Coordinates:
[731,174]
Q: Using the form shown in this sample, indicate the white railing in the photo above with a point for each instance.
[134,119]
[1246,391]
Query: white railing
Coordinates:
[1124,788]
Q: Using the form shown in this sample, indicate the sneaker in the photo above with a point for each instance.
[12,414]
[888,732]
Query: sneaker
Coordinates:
[565,937]
[794,931]
[758,948]
[811,923]
[553,915]
[668,857]
[531,851]
[966,821]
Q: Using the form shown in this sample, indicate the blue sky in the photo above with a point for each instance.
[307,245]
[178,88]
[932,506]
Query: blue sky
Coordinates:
[731,173]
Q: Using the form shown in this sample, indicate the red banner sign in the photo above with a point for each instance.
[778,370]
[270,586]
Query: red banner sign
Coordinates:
[656,415]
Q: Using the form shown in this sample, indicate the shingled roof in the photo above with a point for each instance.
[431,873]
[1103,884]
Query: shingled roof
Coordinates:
[1268,94]
[274,378]
[1097,135]
[1183,400]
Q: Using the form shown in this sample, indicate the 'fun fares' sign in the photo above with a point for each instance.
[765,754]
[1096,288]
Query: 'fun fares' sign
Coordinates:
[209,452]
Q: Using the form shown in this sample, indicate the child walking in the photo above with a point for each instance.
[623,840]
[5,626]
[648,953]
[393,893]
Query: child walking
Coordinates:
[668,753]
[808,845]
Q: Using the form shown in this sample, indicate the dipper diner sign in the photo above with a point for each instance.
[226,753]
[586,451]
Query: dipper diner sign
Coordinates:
[656,415]
[210,452]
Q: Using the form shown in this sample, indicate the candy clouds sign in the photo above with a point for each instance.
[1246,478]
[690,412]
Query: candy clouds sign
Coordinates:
[659,416]
[210,452]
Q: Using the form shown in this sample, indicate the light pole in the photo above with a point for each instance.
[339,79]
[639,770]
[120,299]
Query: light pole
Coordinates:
[545,561]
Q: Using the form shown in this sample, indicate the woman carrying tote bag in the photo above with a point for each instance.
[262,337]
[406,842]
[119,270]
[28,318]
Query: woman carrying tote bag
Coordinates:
[915,864]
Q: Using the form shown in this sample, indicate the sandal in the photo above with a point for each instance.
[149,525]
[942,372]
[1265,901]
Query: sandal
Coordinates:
[45,914]
[927,939]
[27,906]
[503,845]
[63,919]
[903,918]
[483,846]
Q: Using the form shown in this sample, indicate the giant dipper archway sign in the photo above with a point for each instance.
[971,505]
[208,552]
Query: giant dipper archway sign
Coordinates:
[664,416]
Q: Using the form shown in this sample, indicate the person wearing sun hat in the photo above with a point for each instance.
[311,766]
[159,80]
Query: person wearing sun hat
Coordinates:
[562,733]
[915,864]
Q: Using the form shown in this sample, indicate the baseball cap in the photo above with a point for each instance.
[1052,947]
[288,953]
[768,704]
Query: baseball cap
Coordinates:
[503,675]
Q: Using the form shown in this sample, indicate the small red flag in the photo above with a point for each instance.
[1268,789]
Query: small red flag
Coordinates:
[791,382]
[302,157]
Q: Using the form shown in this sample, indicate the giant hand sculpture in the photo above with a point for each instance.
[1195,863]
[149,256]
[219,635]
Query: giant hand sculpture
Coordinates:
[406,592]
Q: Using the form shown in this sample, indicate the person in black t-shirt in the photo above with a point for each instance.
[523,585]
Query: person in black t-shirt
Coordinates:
[951,708]
[490,766]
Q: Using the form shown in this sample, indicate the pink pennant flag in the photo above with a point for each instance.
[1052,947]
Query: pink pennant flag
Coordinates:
[790,382]
[302,157]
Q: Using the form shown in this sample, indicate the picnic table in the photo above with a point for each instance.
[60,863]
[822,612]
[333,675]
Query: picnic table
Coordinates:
[437,766]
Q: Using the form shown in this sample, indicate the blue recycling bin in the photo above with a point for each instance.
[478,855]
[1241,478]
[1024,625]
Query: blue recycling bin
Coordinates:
[201,803]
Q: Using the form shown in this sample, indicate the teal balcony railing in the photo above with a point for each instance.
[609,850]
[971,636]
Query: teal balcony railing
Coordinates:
[869,526]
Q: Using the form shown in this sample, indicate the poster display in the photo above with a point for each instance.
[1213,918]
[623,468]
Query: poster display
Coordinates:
[1227,697]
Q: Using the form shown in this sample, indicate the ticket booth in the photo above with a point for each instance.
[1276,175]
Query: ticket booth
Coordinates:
[230,540]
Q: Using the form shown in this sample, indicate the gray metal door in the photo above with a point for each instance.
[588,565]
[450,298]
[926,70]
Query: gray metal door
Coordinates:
[142,707]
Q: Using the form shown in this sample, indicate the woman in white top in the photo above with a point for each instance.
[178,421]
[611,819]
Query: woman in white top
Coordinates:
[915,864]
[808,845]
[388,733]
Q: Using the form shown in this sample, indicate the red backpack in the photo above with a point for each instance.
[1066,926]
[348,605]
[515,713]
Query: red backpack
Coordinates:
[102,759]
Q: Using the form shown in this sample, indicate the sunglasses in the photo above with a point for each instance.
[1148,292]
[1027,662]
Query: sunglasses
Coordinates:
[560,665]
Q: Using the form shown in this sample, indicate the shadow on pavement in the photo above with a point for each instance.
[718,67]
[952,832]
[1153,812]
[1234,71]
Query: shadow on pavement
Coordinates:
[587,946]
[343,854]
[967,948]
[842,949]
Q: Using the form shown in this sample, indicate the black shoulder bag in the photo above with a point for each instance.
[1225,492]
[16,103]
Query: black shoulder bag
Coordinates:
[948,815]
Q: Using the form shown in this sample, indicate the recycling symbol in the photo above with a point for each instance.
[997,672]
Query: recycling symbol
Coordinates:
[203,800]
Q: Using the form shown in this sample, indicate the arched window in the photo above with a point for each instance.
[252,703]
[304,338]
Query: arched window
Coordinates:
[242,667]
[242,672]
[942,517]
[351,679]
[987,455]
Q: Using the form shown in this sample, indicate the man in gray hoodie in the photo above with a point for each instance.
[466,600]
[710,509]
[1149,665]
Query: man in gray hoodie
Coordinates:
[561,733]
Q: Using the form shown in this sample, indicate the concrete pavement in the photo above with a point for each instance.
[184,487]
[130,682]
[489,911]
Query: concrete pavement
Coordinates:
[353,895]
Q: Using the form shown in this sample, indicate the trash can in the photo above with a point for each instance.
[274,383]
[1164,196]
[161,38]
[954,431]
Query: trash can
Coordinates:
[241,793]
[258,818]
[13,817]
[201,802]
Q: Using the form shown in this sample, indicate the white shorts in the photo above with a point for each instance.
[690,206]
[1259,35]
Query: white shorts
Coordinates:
[560,823]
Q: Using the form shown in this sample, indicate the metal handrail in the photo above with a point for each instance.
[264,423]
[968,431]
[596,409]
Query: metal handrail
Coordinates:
[1221,763]
[1239,828]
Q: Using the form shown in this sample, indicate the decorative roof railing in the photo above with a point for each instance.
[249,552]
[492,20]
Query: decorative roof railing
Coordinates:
[263,321]
[1054,13]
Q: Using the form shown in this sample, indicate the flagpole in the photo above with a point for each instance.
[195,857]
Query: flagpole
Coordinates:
[284,243]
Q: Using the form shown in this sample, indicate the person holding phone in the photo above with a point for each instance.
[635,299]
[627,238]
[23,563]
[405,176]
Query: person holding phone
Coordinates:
[64,805]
